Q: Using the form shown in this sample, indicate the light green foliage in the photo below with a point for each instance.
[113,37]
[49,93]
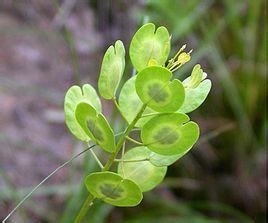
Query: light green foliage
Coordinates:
[155,89]
[112,69]
[144,173]
[164,160]
[170,134]
[196,90]
[152,101]
[113,189]
[73,97]
[149,46]
[95,126]
[130,103]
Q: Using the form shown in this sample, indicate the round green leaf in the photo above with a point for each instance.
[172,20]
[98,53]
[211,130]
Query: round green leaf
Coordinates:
[170,134]
[73,97]
[112,69]
[143,173]
[155,89]
[149,45]
[113,189]
[130,103]
[95,126]
[196,90]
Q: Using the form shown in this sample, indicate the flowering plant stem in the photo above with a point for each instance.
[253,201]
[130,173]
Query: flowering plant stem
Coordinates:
[89,200]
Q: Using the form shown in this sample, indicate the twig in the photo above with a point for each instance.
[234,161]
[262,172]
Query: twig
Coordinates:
[44,180]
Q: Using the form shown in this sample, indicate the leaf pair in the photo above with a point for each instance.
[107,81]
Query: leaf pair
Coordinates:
[73,97]
[167,137]
[149,171]
[147,47]
[83,117]
[134,177]
[152,86]
[195,94]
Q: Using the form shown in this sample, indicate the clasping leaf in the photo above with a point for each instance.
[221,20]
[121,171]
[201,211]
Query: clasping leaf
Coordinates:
[73,97]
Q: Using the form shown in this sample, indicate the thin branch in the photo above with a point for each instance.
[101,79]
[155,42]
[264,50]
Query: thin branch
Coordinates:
[122,138]
[134,141]
[122,158]
[96,158]
[118,108]
[109,163]
[44,180]
[83,211]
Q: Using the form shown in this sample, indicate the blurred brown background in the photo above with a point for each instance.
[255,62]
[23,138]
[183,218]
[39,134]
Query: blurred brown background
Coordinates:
[47,46]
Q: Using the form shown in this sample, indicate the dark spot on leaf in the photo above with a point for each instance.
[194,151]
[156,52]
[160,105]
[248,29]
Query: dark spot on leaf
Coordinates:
[96,132]
[111,191]
[156,92]
[166,136]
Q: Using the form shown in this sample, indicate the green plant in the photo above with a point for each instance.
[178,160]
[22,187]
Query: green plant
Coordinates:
[151,102]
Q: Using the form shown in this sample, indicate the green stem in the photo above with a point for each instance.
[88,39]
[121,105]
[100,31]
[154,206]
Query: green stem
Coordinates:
[83,211]
[122,158]
[171,61]
[122,139]
[150,114]
[44,180]
[109,163]
[134,141]
[118,108]
[97,159]
[175,67]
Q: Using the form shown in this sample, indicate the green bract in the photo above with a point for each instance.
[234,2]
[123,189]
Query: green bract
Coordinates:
[196,77]
[95,126]
[196,90]
[113,189]
[144,173]
[155,89]
[112,69]
[73,97]
[170,134]
[130,103]
[149,46]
